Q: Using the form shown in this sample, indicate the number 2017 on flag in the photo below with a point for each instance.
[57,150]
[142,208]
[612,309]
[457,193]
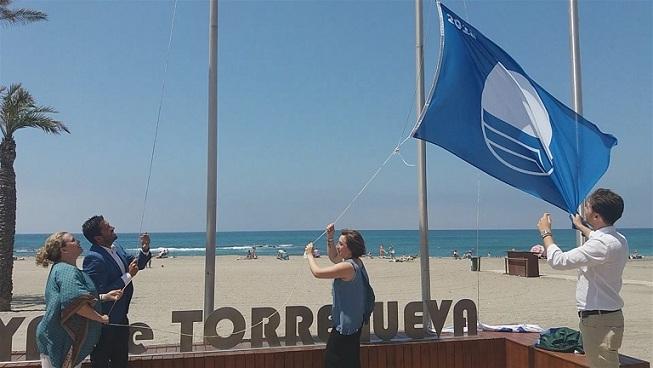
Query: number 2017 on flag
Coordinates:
[460,25]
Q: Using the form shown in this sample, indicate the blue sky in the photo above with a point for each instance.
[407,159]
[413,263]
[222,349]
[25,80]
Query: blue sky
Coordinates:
[312,98]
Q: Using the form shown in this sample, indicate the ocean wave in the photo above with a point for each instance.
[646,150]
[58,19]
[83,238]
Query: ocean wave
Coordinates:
[157,250]
[219,249]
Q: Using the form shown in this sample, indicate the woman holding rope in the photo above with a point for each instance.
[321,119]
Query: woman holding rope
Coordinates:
[353,298]
[72,322]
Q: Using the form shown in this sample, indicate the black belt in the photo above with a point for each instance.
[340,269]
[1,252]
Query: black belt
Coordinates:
[586,313]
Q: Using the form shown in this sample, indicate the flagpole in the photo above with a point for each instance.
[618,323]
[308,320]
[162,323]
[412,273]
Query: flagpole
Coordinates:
[421,172]
[576,84]
[212,162]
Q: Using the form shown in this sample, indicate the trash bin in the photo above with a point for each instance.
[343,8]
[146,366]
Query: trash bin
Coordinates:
[476,263]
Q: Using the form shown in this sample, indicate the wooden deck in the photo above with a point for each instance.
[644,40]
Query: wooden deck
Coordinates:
[487,350]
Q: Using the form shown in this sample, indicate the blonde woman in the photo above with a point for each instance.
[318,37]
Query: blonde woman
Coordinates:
[71,325]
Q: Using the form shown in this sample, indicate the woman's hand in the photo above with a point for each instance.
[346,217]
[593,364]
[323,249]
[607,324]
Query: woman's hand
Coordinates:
[104,319]
[113,295]
[308,251]
[330,230]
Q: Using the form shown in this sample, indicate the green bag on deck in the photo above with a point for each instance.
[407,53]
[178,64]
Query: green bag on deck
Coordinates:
[561,339]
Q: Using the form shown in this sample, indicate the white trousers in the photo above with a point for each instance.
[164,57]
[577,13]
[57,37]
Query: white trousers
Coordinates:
[602,336]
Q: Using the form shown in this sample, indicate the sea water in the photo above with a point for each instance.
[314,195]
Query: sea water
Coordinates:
[405,242]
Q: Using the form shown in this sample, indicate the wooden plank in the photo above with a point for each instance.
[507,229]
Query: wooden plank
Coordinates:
[279,360]
[318,359]
[415,355]
[297,359]
[390,356]
[369,359]
[241,360]
[229,361]
[408,356]
[198,362]
[399,357]
[269,360]
[307,361]
[250,361]
[380,352]
[442,355]
[434,355]
[425,355]
[287,360]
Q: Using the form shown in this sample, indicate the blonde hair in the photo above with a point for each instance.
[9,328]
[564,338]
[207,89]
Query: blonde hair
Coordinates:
[51,250]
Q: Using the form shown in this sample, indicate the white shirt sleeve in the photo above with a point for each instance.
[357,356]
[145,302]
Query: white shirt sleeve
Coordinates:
[126,278]
[593,251]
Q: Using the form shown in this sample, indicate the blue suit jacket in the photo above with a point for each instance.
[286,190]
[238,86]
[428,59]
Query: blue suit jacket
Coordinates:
[107,276]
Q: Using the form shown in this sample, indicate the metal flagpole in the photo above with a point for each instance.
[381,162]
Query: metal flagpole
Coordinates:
[421,171]
[576,84]
[212,162]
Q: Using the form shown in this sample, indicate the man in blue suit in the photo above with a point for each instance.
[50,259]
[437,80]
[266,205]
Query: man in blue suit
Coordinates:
[112,268]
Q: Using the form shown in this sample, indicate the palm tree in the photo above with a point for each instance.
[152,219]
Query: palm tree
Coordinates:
[19,15]
[17,110]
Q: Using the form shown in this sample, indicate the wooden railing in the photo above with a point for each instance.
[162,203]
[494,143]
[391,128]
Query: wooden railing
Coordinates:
[487,350]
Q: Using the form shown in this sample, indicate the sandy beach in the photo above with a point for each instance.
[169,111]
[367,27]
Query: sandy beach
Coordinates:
[176,284]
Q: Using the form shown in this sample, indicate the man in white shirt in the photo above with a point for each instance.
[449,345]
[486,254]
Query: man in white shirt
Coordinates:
[600,262]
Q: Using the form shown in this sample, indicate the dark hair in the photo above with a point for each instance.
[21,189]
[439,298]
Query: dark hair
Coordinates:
[608,204]
[355,242]
[91,228]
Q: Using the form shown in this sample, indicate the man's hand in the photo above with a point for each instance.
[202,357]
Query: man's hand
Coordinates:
[104,319]
[544,225]
[578,221]
[133,268]
[145,242]
[113,295]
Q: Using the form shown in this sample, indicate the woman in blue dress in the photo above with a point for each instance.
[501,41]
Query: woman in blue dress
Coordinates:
[71,325]
[353,297]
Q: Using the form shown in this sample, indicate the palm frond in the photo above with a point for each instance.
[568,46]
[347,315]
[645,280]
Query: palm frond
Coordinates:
[22,16]
[19,110]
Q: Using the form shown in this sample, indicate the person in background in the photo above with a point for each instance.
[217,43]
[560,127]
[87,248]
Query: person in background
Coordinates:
[72,322]
[600,262]
[351,296]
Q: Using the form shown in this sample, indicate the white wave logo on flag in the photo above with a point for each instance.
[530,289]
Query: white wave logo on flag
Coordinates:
[515,123]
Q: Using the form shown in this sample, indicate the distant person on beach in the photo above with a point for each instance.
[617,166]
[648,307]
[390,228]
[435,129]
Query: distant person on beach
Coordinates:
[283,255]
[392,252]
[110,267]
[72,322]
[353,297]
[163,253]
[455,254]
[600,262]
[381,251]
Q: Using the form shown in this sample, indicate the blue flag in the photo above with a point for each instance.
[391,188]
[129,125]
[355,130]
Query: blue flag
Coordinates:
[487,111]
